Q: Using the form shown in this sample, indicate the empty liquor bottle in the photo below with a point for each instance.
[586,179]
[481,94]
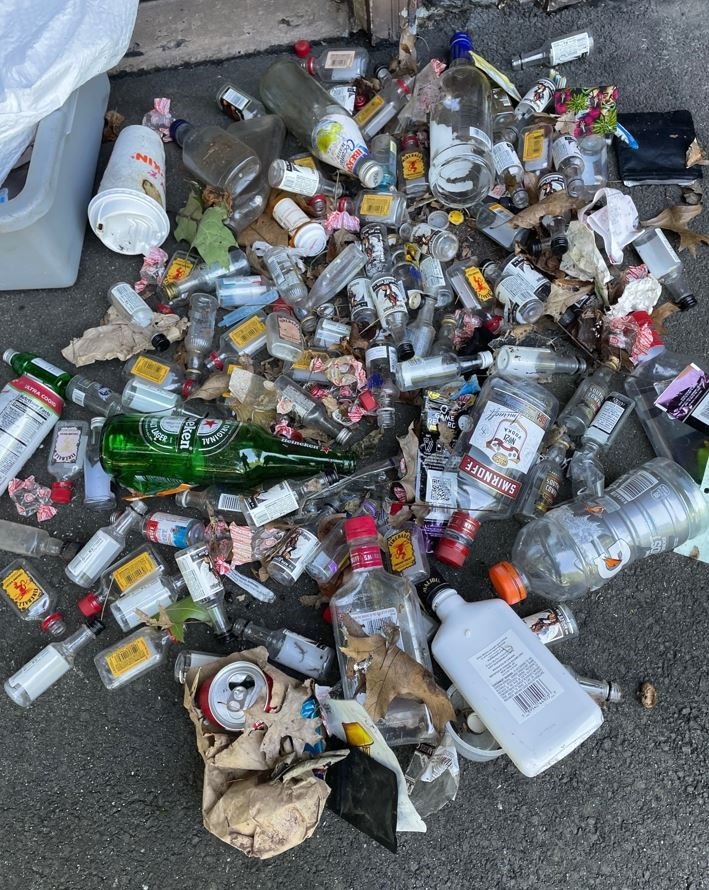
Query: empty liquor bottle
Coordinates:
[297,551]
[319,124]
[405,549]
[30,597]
[198,340]
[93,396]
[380,362]
[139,397]
[363,311]
[462,170]
[171,529]
[204,278]
[285,276]
[528,361]
[413,173]
[265,137]
[130,305]
[534,101]
[601,691]
[388,208]
[385,104]
[104,546]
[569,162]
[585,403]
[435,370]
[311,412]
[556,51]
[28,541]
[594,151]
[238,104]
[205,587]
[66,457]
[421,331]
[585,470]
[446,334]
[97,482]
[384,151]
[306,181]
[372,599]
[333,64]
[122,576]
[336,276]
[215,157]
[50,665]
[664,264]
[535,142]
[510,173]
[289,649]
[283,498]
[156,370]
[522,305]
[132,656]
[434,283]
[215,499]
[470,285]
[541,487]
[152,453]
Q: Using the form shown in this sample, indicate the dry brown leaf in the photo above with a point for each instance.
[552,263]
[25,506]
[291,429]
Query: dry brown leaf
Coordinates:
[560,298]
[675,219]
[445,434]
[212,388]
[286,723]
[264,229]
[409,445]
[312,600]
[696,155]
[214,197]
[647,695]
[112,122]
[555,204]
[391,673]
[661,314]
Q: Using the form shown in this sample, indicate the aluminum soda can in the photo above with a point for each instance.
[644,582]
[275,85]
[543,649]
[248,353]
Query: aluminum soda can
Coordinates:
[225,697]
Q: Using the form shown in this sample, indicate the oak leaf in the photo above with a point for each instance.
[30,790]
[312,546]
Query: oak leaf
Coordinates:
[661,314]
[675,219]
[560,298]
[554,205]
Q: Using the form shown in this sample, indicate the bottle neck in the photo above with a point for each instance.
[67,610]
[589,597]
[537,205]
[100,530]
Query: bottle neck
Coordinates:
[252,633]
[126,521]
[180,132]
[365,554]
[52,547]
[532,58]
[77,641]
[446,601]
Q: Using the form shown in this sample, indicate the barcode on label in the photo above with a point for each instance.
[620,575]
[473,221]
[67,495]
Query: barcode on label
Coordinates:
[229,502]
[342,59]
[532,697]
[375,622]
[127,656]
[635,486]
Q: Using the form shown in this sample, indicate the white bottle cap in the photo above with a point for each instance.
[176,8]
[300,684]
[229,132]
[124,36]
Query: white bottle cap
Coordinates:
[310,238]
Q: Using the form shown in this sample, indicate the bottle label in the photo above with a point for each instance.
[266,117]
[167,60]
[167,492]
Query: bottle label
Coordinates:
[149,369]
[299,550]
[413,165]
[169,529]
[539,96]
[374,248]
[247,332]
[551,183]
[504,156]
[128,300]
[550,625]
[366,557]
[234,98]
[339,59]
[668,247]
[376,621]
[608,417]
[360,295]
[196,569]
[515,293]
[178,268]
[289,329]
[564,147]
[368,111]
[47,366]
[28,411]
[66,445]
[22,589]
[288,215]
[518,679]
[635,486]
[548,492]
[338,141]
[477,281]
[389,298]
[566,49]
[135,570]
[230,503]
[523,269]
[533,144]
[432,276]
[376,205]
[300,179]
[95,555]
[344,94]
[174,435]
[127,656]
[304,161]
[271,504]
[402,554]
[508,435]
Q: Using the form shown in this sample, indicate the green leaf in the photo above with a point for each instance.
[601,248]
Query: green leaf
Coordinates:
[185,610]
[213,239]
[188,219]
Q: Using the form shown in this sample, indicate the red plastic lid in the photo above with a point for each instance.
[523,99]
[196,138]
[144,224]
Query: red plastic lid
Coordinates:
[327,615]
[360,527]
[344,204]
[493,324]
[302,48]
[360,101]
[395,508]
[367,400]
[89,605]
[190,384]
[452,553]
[404,86]
[62,492]
[51,619]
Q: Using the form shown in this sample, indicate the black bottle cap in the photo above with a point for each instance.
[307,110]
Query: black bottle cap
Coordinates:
[405,351]
[174,127]
[688,301]
[227,637]
[95,626]
[160,342]
[430,588]
[559,245]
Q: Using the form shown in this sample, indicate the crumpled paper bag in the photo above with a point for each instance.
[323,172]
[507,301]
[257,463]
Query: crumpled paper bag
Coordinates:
[258,802]
[120,339]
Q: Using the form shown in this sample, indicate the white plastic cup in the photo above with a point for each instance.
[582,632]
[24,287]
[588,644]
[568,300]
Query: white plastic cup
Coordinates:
[128,212]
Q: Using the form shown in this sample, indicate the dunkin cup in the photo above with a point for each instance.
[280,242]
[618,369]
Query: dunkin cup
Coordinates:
[128,211]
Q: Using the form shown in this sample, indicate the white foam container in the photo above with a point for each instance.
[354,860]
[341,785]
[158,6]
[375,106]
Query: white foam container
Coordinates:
[42,227]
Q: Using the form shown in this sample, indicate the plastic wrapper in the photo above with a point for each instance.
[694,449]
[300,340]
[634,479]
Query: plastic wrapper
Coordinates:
[433,776]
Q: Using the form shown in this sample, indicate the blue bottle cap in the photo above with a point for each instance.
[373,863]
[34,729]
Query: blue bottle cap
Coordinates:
[461,45]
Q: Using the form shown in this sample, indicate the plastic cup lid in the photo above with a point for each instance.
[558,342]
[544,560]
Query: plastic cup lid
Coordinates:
[128,221]
[312,238]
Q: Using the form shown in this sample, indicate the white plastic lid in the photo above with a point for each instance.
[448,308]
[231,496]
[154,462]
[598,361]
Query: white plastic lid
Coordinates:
[311,238]
[128,221]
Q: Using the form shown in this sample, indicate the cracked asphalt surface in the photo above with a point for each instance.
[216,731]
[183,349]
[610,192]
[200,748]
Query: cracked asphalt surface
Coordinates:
[102,789]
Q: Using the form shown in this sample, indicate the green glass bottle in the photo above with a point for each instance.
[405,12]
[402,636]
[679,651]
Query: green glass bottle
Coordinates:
[150,454]
[29,363]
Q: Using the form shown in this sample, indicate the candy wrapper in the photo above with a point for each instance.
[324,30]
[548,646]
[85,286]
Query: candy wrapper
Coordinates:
[159,118]
[31,499]
[152,270]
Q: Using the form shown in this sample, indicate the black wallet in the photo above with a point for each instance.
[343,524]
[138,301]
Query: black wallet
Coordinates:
[663,139]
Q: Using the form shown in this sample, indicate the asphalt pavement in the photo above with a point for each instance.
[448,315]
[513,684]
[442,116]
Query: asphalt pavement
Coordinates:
[102,789]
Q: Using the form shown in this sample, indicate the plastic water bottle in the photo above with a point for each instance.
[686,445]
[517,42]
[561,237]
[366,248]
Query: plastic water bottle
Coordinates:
[581,545]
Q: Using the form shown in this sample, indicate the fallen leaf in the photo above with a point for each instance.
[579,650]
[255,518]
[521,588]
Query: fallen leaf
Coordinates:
[409,445]
[560,298]
[213,239]
[390,673]
[286,723]
[696,155]
[188,217]
[675,219]
[213,197]
[212,388]
[661,314]
[175,616]
[647,695]
[312,600]
[446,435]
[554,205]
[112,122]
[264,229]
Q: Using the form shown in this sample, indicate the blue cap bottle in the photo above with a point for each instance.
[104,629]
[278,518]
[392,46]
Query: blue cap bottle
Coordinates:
[461,45]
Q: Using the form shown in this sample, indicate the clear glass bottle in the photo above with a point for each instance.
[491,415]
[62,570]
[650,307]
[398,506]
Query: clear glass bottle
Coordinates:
[238,104]
[337,64]
[436,370]
[172,530]
[156,370]
[130,305]
[470,286]
[246,337]
[281,499]
[405,549]
[246,290]
[319,124]
[265,137]
[381,363]
[284,338]
[28,541]
[556,51]
[413,170]
[336,276]
[601,691]
[441,244]
[534,101]
[331,557]
[285,276]
[535,142]
[306,181]
[139,397]
[510,173]
[205,587]
[520,267]
[49,665]
[215,157]
[569,162]
[385,104]
[289,649]
[579,546]
[664,264]
[388,208]
[30,597]
[497,222]
[104,546]
[98,494]
[384,151]
[585,470]
[311,412]
[461,171]
[421,331]
[541,488]
[188,660]
[446,334]
[594,151]
[295,553]
[198,340]
[392,309]
[434,283]
[553,624]
[66,457]
[373,598]
[522,305]
[216,498]
[132,656]
[586,401]
[94,396]
[528,361]
[204,278]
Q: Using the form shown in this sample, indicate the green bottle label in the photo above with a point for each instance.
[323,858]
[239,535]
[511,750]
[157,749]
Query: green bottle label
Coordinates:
[176,435]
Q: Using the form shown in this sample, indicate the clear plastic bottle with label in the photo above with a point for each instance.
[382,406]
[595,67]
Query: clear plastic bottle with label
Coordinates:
[332,555]
[445,337]
[104,546]
[158,371]
[216,498]
[579,546]
[204,277]
[510,173]
[534,101]
[31,597]
[664,264]
[93,396]
[381,364]
[205,587]
[132,656]
[542,485]
[311,412]
[384,105]
[238,104]
[392,309]
[130,305]
[556,51]
[281,499]
[335,64]
[535,142]
[405,549]
[462,171]
[519,267]
[524,696]
[297,551]
[300,180]
[586,401]
[435,370]
[508,424]
[594,151]
[435,283]
[553,624]
[140,397]
[98,494]
[198,340]
[413,169]
[529,361]
[284,338]
[442,244]
[289,649]
[50,665]
[585,469]
[372,599]
[384,151]
[517,295]
[247,290]
[120,578]
[336,276]
[171,529]
[388,208]
[285,276]
[569,162]
[470,285]
[65,461]
[244,338]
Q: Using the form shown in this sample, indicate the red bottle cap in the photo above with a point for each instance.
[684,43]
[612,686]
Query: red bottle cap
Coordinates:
[327,615]
[360,101]
[367,401]
[452,553]
[189,385]
[61,492]
[404,86]
[395,508]
[302,48]
[507,582]
[360,527]
[90,605]
[493,324]
[54,618]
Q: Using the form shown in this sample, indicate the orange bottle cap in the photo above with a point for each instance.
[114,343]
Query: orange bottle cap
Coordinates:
[507,582]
